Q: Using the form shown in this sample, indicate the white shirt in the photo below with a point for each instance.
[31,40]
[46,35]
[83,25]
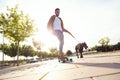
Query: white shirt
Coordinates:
[57,24]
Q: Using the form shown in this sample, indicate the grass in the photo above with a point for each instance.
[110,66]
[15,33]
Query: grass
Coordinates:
[13,63]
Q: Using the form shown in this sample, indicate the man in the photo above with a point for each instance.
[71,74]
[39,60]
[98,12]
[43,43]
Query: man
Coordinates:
[55,25]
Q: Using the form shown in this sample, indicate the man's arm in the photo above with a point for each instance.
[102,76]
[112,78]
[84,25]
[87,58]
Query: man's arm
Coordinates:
[64,30]
[50,24]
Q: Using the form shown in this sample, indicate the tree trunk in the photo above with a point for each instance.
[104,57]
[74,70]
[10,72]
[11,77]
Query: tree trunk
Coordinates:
[14,61]
[18,55]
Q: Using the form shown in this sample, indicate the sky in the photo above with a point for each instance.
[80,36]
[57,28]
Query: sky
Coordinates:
[87,20]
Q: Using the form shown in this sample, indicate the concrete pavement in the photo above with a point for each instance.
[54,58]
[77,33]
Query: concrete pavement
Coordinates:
[33,71]
[91,67]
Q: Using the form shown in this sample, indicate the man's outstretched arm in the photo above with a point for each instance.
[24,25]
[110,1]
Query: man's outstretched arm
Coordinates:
[64,30]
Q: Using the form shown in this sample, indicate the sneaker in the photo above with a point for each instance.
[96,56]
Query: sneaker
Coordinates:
[62,57]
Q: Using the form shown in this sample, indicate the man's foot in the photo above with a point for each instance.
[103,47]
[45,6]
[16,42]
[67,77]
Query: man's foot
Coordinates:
[62,57]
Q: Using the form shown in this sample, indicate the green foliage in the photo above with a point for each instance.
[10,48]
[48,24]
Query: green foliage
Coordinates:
[12,62]
[16,26]
[104,41]
[10,50]
[116,46]
[36,44]
[105,48]
[6,48]
[69,52]
[94,48]
[27,51]
[53,51]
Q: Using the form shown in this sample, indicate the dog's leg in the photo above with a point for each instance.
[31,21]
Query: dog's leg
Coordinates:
[77,51]
[77,55]
[81,55]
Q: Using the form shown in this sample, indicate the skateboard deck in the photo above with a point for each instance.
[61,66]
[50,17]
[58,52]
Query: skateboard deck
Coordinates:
[65,60]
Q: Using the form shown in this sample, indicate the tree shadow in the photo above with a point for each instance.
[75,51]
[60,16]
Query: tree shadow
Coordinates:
[105,65]
[18,76]
[101,56]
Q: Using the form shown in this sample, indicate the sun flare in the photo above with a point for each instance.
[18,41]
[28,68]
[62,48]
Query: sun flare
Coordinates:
[47,40]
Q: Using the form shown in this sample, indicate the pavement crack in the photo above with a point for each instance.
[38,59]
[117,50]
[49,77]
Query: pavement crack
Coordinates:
[92,78]
[77,66]
[44,76]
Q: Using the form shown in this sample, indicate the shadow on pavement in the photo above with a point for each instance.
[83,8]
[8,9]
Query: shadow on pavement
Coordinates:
[99,56]
[18,76]
[105,65]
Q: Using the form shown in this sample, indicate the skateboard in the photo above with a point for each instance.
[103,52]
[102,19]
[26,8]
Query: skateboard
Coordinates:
[65,60]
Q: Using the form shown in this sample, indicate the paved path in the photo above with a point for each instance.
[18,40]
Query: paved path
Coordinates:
[91,67]
[32,71]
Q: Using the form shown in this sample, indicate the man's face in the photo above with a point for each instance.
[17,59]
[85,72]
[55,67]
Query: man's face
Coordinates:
[57,12]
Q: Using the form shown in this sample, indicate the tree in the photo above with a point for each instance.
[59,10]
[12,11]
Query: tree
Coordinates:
[36,44]
[104,45]
[104,41]
[53,51]
[16,26]
[12,50]
[69,52]
[27,51]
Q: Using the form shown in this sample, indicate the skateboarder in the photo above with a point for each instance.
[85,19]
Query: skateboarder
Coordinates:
[55,26]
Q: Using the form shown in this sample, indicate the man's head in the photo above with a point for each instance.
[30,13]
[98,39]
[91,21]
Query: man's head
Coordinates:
[57,11]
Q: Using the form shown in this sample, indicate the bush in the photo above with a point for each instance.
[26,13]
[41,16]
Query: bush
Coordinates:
[69,52]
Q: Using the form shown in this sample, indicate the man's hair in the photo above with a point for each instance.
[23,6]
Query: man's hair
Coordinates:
[57,9]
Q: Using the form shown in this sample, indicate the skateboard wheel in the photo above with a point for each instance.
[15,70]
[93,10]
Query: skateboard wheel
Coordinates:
[71,60]
[59,61]
[63,61]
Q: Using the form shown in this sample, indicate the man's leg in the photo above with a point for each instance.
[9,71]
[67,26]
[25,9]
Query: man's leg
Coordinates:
[59,35]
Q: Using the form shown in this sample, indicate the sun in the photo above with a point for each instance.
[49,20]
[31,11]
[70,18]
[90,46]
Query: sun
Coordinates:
[47,40]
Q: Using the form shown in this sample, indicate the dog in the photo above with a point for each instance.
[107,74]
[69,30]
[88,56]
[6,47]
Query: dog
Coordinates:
[79,49]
